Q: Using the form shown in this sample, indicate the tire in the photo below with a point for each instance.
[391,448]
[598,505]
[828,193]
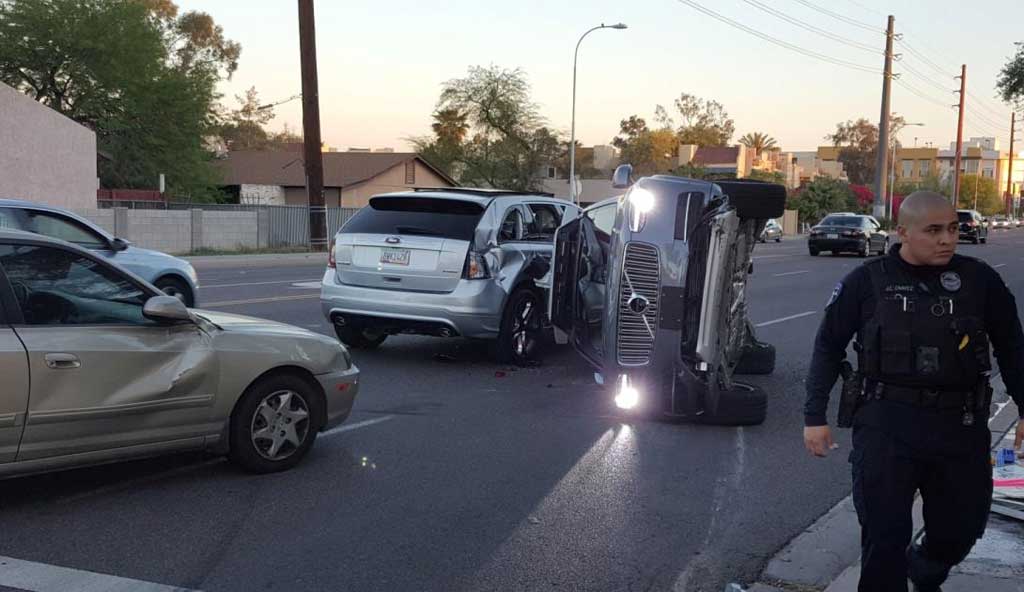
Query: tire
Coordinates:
[281,412]
[521,335]
[983,240]
[755,199]
[778,240]
[757,358]
[359,338]
[176,287]
[813,252]
[742,405]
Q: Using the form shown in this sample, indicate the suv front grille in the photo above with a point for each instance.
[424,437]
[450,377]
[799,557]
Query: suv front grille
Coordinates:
[638,304]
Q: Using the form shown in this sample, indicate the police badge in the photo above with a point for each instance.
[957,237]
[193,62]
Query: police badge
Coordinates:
[950,280]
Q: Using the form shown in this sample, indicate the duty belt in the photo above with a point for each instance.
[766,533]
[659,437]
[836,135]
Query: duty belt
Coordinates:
[922,397]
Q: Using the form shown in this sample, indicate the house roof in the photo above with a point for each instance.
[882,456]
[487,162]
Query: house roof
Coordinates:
[716,155]
[285,167]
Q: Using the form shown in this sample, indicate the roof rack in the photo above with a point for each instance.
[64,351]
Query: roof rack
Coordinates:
[481,192]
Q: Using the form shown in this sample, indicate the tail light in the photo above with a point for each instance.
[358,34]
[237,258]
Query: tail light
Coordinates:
[330,256]
[853,233]
[476,267]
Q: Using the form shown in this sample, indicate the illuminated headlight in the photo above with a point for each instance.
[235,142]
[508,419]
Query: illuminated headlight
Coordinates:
[641,202]
[627,397]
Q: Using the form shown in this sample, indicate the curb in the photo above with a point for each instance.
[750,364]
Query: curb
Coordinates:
[826,556]
[261,260]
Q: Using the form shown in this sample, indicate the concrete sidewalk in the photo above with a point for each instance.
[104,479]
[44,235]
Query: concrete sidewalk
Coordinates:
[262,260]
[826,556]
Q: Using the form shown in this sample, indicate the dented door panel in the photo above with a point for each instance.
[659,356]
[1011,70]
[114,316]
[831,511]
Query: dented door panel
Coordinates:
[102,387]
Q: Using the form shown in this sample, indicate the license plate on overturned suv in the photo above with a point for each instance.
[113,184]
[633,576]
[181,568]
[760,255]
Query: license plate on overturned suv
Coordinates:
[832,236]
[395,256]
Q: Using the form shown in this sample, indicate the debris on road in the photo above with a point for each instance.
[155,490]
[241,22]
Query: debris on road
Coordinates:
[446,358]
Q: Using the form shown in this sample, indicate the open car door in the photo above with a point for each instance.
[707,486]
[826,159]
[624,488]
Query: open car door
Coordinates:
[579,274]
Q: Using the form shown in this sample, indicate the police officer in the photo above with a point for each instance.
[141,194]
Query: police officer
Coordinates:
[924,318]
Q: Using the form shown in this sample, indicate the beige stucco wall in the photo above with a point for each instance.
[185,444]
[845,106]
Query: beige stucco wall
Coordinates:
[393,179]
[44,156]
[296,196]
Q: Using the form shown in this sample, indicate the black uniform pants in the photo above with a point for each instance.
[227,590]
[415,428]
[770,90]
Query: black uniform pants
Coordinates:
[957,494]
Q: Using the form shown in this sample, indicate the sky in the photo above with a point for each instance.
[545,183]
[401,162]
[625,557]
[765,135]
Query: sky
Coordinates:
[382,64]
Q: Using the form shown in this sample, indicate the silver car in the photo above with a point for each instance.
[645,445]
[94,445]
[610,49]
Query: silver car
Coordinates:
[650,288]
[171,275]
[99,366]
[445,262]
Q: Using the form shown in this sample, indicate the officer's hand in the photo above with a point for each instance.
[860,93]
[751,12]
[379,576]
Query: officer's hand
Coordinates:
[818,440]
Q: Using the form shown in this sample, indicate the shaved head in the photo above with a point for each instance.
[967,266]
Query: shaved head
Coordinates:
[919,204]
[929,229]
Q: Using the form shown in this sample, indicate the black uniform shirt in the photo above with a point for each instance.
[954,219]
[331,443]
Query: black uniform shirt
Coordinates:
[853,303]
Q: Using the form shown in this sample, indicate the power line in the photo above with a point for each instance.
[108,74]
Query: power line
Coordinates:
[981,117]
[812,28]
[921,94]
[845,19]
[924,59]
[866,8]
[779,42]
[916,73]
[981,103]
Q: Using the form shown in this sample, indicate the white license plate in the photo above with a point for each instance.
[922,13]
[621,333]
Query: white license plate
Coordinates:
[831,236]
[395,256]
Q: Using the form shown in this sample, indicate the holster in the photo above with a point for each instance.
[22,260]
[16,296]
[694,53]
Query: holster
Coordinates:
[852,395]
[978,400]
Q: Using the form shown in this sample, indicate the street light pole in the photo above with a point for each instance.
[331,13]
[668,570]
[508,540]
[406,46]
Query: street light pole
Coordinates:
[572,134]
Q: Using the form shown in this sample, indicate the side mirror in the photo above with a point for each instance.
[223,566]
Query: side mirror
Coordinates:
[119,244]
[166,309]
[623,176]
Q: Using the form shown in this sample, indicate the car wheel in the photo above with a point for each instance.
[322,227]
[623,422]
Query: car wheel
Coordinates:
[813,252]
[173,286]
[778,239]
[742,405]
[359,338]
[274,424]
[522,328]
[983,240]
[757,358]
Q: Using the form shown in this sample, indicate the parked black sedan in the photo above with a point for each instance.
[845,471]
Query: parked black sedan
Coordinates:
[973,227]
[848,233]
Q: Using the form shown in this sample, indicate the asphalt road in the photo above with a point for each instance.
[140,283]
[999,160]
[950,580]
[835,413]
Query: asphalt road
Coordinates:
[459,474]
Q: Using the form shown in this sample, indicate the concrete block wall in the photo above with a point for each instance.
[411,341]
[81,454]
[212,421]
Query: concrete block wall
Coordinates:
[168,231]
[229,230]
[102,218]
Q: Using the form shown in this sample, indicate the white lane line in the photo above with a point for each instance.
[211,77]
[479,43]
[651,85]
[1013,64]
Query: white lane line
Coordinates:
[789,318]
[257,283]
[355,426]
[40,577]
[257,300]
[790,273]
[773,257]
[308,285]
[998,265]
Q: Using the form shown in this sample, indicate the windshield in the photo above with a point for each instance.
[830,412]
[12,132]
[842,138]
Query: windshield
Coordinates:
[445,218]
[851,221]
[964,216]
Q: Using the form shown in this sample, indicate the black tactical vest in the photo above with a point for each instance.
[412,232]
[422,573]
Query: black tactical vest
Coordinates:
[925,333]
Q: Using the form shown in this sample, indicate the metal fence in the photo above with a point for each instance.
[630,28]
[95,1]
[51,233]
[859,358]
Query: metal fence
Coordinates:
[278,226]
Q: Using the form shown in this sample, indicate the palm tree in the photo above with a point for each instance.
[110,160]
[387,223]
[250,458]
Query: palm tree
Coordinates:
[758,142]
[450,125]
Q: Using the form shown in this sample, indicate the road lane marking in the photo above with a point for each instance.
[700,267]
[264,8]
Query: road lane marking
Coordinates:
[355,426]
[784,319]
[998,265]
[257,300]
[41,577]
[258,284]
[790,273]
[308,285]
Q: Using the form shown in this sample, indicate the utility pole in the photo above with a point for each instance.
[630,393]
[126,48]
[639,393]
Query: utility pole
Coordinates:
[883,126]
[1009,166]
[314,163]
[959,135]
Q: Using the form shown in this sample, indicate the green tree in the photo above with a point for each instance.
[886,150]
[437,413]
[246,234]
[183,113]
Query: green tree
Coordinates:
[823,196]
[984,188]
[243,128]
[858,147]
[703,122]
[1011,78]
[135,71]
[758,142]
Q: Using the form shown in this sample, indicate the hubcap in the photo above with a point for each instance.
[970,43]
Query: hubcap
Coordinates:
[523,328]
[280,425]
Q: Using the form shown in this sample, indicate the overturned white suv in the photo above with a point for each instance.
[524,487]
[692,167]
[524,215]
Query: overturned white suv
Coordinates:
[650,286]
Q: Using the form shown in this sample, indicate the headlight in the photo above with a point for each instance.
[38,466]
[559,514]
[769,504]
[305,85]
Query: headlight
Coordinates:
[641,202]
[627,397]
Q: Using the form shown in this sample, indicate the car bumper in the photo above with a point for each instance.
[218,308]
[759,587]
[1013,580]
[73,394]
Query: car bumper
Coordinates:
[836,244]
[473,309]
[340,390]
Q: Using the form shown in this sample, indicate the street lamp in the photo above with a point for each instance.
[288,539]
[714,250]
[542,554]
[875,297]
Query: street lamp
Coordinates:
[572,138]
[272,105]
[892,170]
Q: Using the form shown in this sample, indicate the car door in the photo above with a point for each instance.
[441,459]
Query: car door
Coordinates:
[14,369]
[102,375]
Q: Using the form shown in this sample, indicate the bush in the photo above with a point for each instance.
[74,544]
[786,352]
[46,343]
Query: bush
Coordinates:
[823,196]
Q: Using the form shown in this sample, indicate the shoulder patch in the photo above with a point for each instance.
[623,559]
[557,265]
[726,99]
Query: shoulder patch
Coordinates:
[835,294]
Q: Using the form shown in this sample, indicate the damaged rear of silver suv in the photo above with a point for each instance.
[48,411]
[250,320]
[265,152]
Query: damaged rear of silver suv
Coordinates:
[650,288]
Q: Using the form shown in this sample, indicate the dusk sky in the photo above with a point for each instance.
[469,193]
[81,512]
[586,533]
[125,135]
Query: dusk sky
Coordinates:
[381,64]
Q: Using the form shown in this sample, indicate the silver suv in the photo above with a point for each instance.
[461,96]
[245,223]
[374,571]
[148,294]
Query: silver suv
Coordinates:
[650,289]
[445,262]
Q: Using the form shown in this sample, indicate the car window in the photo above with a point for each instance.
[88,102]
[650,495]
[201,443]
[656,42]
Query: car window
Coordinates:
[546,220]
[511,226]
[851,221]
[445,218]
[58,287]
[9,218]
[57,226]
[604,219]
[964,216]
